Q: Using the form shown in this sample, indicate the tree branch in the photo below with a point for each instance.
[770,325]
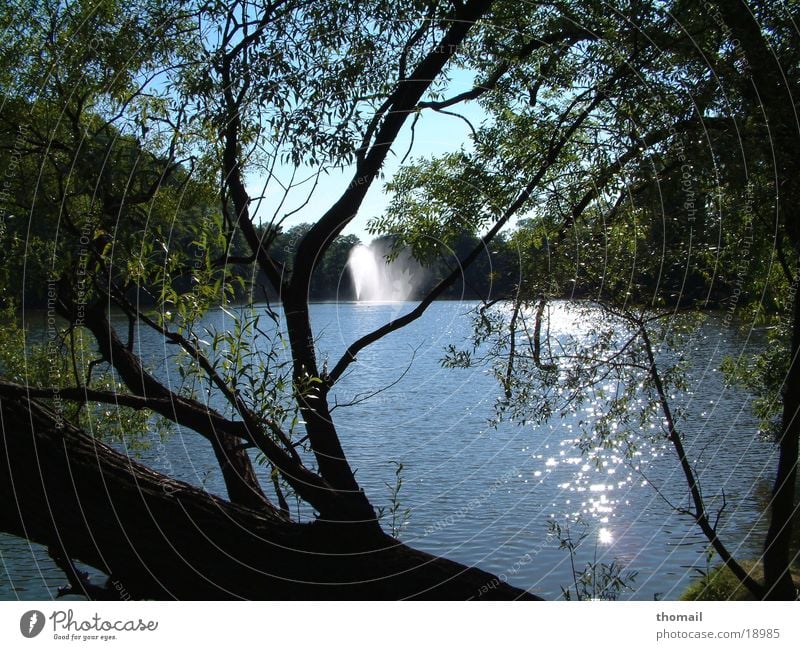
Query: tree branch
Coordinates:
[554,150]
[566,37]
[164,539]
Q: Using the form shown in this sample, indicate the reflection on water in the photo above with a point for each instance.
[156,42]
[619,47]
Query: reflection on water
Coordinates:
[484,495]
[604,536]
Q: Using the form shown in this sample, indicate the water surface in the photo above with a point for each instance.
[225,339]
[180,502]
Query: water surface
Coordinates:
[485,495]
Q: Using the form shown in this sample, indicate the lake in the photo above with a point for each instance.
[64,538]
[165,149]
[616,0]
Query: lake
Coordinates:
[485,495]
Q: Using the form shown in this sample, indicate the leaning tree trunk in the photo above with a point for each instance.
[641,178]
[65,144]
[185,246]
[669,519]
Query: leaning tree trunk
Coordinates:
[160,538]
[777,552]
[772,96]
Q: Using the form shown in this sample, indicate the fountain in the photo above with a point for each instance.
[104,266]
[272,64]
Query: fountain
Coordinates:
[375,279]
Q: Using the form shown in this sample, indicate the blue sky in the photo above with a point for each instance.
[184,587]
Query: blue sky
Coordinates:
[435,134]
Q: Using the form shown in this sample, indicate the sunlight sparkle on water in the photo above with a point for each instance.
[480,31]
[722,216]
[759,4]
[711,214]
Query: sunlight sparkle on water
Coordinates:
[604,536]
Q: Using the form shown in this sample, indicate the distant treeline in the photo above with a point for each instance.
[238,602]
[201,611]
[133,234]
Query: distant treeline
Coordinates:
[498,272]
[494,274]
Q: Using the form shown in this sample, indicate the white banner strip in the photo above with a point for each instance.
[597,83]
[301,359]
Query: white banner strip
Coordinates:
[400,626]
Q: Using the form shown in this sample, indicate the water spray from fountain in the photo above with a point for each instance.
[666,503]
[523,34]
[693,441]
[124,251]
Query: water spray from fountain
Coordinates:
[377,280]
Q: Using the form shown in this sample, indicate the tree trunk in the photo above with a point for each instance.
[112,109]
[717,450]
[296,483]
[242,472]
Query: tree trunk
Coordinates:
[772,96]
[235,465]
[777,550]
[160,538]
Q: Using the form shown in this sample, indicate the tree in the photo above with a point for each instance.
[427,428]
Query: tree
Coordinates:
[331,279]
[215,99]
[218,93]
[657,206]
[769,84]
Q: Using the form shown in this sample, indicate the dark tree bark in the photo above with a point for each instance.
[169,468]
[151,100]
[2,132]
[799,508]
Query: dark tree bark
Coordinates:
[389,120]
[777,550]
[160,538]
[772,97]
[237,470]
